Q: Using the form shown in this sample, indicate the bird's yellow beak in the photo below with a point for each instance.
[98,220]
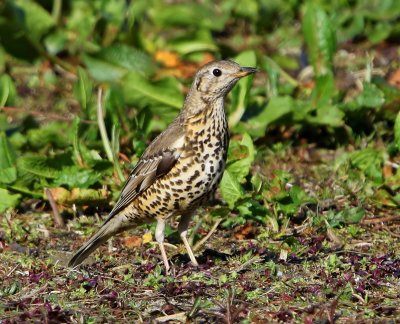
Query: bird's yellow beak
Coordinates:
[245,71]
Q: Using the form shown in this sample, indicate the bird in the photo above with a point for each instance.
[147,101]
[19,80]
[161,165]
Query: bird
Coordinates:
[181,168]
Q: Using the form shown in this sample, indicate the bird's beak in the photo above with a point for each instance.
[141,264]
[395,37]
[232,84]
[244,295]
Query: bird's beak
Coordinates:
[243,71]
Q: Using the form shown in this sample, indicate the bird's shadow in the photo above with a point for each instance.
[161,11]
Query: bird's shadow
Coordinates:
[208,257]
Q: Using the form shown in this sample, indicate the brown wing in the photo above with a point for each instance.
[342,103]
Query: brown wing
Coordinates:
[143,175]
[156,161]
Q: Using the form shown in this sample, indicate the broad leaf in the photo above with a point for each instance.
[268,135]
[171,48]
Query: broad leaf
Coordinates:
[320,38]
[114,62]
[135,85]
[327,115]
[74,177]
[190,14]
[346,216]
[33,18]
[8,200]
[7,154]
[8,172]
[370,97]
[323,91]
[276,108]
[231,190]
[370,162]
[239,164]
[7,90]
[42,166]
[240,93]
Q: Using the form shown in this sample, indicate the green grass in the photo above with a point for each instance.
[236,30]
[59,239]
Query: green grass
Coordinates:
[305,224]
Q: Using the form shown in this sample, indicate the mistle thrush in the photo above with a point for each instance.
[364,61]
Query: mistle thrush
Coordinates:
[181,168]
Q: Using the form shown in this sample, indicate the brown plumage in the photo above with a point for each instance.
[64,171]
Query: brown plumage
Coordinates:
[181,168]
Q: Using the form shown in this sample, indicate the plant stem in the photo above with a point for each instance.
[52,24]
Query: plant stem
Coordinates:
[102,127]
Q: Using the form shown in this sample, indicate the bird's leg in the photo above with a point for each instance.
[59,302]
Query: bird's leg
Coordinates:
[160,239]
[182,228]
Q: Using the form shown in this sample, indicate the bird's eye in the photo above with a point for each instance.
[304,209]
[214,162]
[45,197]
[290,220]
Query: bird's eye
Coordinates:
[217,72]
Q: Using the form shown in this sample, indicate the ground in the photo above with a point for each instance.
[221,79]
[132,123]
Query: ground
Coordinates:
[246,274]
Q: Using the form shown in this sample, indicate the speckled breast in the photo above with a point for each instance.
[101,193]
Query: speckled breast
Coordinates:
[197,173]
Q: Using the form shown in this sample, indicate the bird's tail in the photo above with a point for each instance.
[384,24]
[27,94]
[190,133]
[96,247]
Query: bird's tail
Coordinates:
[108,229]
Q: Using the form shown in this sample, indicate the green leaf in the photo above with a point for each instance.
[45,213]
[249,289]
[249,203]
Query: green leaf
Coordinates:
[276,108]
[328,115]
[347,216]
[189,15]
[239,165]
[273,74]
[8,175]
[56,42]
[251,208]
[103,71]
[240,93]
[135,85]
[8,171]
[380,32]
[74,177]
[199,40]
[290,202]
[370,162]
[33,18]
[7,90]
[8,200]
[350,23]
[390,92]
[231,190]
[7,153]
[55,134]
[83,90]
[397,132]
[114,62]
[320,38]
[323,91]
[45,167]
[299,196]
[371,97]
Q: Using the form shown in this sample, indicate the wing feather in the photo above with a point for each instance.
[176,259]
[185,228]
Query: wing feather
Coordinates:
[145,173]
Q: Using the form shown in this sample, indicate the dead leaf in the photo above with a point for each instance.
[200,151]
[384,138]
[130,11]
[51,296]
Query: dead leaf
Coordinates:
[59,194]
[167,58]
[310,84]
[394,78]
[132,241]
[244,232]
[387,170]
[336,242]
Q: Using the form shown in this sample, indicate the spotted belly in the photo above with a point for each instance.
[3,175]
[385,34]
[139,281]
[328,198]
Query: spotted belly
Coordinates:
[188,185]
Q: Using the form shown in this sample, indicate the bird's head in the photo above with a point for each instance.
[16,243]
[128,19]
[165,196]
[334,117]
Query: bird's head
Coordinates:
[215,79]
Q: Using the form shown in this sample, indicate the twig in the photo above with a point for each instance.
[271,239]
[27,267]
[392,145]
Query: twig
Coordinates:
[45,115]
[58,220]
[390,232]
[12,270]
[180,317]
[244,265]
[34,292]
[205,238]
[380,220]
